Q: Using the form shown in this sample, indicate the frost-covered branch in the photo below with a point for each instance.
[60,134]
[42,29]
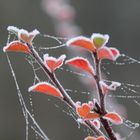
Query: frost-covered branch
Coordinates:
[91,114]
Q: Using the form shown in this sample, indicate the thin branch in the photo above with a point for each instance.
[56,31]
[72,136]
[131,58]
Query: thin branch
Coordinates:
[67,99]
[102,106]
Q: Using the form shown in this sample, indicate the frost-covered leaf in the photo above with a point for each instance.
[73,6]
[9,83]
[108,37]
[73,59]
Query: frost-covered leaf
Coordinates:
[114,85]
[99,40]
[108,53]
[83,42]
[81,63]
[53,63]
[85,112]
[93,138]
[114,118]
[92,115]
[106,88]
[115,53]
[100,138]
[46,88]
[26,36]
[16,46]
[23,35]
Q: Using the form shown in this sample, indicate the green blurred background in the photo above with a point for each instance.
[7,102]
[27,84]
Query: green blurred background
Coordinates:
[120,19]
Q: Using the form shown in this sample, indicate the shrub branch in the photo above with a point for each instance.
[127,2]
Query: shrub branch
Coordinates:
[67,99]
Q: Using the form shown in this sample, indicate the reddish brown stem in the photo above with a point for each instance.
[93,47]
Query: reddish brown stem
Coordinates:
[67,99]
[102,111]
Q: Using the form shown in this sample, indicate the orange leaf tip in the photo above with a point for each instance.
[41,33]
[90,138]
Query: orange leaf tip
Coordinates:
[99,40]
[16,46]
[46,88]
[83,42]
[113,117]
[108,53]
[81,63]
[53,63]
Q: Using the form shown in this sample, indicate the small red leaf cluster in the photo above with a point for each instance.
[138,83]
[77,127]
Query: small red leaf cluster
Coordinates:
[108,53]
[53,63]
[22,35]
[96,44]
[85,111]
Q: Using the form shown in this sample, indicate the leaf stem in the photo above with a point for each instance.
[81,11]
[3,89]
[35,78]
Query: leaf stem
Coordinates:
[102,106]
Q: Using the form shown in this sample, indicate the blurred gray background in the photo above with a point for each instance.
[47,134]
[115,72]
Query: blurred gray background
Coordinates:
[120,19]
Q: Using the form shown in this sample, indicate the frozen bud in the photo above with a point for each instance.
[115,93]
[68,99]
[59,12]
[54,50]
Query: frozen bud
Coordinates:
[13,30]
[91,104]
[78,103]
[99,40]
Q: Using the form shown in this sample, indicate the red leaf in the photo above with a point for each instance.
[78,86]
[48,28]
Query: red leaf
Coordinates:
[114,117]
[108,53]
[82,42]
[115,52]
[93,138]
[92,115]
[16,46]
[100,138]
[53,63]
[46,88]
[81,63]
[85,112]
